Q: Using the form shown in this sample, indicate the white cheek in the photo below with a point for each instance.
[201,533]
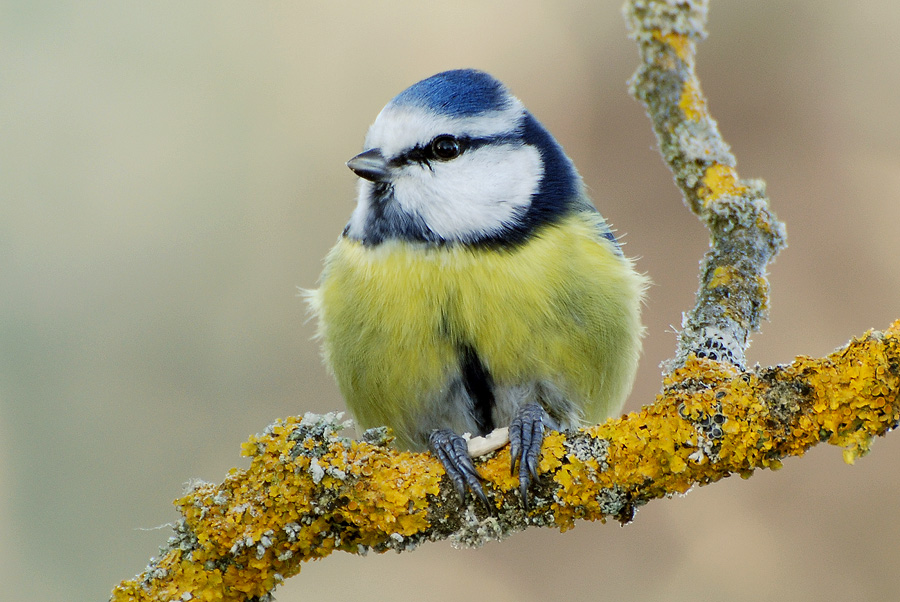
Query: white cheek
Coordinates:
[477,193]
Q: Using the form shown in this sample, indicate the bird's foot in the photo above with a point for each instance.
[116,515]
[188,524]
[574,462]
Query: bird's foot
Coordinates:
[452,451]
[526,433]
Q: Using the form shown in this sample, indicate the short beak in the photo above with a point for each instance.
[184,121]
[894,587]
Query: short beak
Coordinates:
[370,165]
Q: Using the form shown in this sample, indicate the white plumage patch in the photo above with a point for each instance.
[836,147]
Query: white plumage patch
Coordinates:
[481,191]
[400,128]
[477,193]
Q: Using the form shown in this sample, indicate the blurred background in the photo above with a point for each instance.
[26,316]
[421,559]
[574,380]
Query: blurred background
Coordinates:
[171,172]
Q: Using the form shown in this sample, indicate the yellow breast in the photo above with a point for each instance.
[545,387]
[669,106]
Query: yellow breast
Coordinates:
[561,308]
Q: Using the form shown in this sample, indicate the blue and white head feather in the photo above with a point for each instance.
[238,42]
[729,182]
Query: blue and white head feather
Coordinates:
[509,177]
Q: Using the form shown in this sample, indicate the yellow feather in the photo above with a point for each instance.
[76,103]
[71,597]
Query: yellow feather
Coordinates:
[561,308]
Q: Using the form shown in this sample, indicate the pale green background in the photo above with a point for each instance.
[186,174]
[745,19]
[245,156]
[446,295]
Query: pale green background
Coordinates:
[170,172]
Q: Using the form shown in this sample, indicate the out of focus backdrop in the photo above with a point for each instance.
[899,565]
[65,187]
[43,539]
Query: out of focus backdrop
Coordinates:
[171,173]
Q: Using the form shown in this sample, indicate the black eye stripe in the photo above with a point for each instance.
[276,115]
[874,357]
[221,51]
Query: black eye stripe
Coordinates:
[423,154]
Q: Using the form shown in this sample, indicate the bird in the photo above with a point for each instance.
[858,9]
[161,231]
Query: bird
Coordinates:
[475,285]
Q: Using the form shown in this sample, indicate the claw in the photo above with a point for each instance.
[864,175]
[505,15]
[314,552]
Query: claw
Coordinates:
[452,451]
[526,433]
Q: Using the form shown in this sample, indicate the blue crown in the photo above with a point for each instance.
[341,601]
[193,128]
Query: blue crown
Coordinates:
[457,93]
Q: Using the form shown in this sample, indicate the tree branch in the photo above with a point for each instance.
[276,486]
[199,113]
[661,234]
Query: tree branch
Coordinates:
[744,234]
[309,491]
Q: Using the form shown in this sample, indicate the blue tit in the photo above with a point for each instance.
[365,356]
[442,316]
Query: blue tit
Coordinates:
[475,285]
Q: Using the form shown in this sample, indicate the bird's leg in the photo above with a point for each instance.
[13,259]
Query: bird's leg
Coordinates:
[452,451]
[526,433]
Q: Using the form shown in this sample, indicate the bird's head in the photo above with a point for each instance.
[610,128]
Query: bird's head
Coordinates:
[456,158]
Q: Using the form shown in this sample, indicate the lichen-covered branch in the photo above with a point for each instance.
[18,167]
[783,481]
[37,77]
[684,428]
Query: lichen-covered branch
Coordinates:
[744,234]
[309,492]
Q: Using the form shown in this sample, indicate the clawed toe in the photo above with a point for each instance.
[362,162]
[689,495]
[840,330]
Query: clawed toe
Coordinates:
[452,451]
[526,433]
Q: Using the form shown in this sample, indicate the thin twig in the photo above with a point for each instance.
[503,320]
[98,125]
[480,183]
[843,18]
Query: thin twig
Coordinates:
[744,233]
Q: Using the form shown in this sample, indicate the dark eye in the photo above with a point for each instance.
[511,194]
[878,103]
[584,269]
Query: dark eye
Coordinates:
[445,147]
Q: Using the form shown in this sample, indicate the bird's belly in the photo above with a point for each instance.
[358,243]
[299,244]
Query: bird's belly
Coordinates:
[552,322]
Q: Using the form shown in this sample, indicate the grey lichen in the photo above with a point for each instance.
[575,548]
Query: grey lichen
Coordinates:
[686,17]
[612,500]
[700,141]
[709,433]
[379,436]
[475,532]
[585,447]
[316,432]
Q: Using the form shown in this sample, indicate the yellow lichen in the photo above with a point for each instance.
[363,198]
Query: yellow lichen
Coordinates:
[680,43]
[692,103]
[720,180]
[240,538]
[721,276]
